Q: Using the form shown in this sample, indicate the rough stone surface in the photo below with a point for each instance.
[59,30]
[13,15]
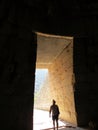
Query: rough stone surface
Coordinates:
[85,62]
[71,18]
[16,84]
[17,65]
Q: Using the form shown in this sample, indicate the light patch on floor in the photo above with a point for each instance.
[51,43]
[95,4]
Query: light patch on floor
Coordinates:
[42,121]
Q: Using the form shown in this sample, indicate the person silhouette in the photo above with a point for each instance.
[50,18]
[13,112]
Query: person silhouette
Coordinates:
[54,111]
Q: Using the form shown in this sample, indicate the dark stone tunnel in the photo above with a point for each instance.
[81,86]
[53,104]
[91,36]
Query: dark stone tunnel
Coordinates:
[20,20]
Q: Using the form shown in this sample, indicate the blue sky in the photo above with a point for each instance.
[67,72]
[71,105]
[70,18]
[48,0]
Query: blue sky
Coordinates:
[40,75]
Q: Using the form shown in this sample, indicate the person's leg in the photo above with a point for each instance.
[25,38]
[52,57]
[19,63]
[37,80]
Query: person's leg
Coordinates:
[57,123]
[53,118]
[54,124]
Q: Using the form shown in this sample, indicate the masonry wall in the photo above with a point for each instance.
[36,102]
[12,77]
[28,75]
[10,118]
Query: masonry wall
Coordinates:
[86,85]
[61,83]
[17,65]
[17,73]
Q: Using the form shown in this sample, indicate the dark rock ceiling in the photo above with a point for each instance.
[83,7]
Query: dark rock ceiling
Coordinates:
[61,17]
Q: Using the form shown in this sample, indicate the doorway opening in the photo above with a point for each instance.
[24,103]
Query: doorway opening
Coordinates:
[40,77]
[54,66]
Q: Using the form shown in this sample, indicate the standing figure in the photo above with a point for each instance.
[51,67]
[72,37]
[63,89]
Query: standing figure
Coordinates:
[54,110]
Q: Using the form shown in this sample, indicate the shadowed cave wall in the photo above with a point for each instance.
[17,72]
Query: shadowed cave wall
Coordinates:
[17,69]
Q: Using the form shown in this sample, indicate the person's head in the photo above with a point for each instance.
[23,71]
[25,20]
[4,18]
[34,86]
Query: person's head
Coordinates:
[54,101]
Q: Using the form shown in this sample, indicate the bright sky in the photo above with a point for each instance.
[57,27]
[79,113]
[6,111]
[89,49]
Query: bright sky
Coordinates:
[40,75]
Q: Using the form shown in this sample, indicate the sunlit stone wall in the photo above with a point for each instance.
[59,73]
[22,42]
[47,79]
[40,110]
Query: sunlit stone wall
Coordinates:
[61,83]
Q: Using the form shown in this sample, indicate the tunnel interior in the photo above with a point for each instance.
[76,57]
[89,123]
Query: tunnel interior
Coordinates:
[55,54]
[19,22]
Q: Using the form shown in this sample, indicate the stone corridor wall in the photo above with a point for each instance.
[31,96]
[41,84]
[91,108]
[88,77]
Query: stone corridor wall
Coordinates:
[59,86]
[16,85]
[86,85]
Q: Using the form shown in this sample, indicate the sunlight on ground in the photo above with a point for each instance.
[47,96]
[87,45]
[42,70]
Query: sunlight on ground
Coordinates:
[42,121]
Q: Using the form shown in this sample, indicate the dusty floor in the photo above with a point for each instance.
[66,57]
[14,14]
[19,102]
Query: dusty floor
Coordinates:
[42,121]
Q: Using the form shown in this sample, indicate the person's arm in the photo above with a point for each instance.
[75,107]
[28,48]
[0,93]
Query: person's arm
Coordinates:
[58,110]
[50,112]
